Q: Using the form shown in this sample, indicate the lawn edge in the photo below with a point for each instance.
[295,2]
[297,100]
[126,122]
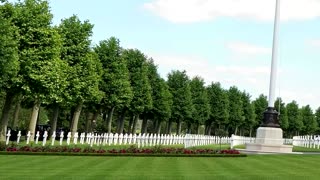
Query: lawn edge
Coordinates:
[121,154]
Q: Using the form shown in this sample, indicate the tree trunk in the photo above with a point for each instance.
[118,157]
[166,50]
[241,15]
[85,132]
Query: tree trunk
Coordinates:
[121,121]
[75,119]
[88,122]
[169,127]
[94,119]
[179,127]
[209,129]
[16,112]
[155,125]
[158,127]
[250,132]
[54,119]
[189,128]
[5,116]
[144,125]
[34,117]
[135,123]
[109,120]
[198,128]
[236,130]
[130,124]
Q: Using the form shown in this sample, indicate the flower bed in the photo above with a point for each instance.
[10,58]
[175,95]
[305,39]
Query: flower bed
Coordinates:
[131,151]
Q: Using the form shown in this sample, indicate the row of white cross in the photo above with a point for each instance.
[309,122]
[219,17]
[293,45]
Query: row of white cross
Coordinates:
[123,139]
[309,141]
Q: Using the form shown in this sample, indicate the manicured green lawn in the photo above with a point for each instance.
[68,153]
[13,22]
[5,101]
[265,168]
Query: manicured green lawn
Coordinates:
[74,167]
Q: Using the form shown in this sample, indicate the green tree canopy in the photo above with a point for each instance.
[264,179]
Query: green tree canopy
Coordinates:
[182,108]
[280,106]
[236,114]
[219,105]
[309,121]
[200,101]
[294,118]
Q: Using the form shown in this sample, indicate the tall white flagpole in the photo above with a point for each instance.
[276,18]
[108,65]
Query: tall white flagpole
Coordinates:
[274,62]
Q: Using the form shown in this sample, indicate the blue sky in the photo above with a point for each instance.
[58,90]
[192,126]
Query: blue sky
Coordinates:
[220,40]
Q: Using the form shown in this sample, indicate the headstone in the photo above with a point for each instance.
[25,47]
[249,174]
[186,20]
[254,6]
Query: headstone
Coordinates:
[18,137]
[88,137]
[125,138]
[82,136]
[53,138]
[92,138]
[110,139]
[120,138]
[115,139]
[75,138]
[95,138]
[105,138]
[130,138]
[143,138]
[134,139]
[37,137]
[138,140]
[28,137]
[151,140]
[61,137]
[44,141]
[68,138]
[8,136]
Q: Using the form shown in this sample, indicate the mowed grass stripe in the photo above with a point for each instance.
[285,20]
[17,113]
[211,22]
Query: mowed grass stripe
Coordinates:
[71,167]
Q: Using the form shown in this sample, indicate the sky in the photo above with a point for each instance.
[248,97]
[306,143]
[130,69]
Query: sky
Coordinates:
[226,41]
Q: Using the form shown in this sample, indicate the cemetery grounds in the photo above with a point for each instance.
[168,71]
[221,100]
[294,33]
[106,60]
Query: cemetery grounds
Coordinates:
[291,167]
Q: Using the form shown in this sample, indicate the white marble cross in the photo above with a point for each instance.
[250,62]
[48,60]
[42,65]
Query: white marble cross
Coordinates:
[120,138]
[110,139]
[18,137]
[75,138]
[68,138]
[37,137]
[53,138]
[125,137]
[44,141]
[8,136]
[61,137]
[115,139]
[28,137]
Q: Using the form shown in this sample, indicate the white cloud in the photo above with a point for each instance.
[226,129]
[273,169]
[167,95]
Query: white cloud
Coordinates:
[313,42]
[247,49]
[252,79]
[189,11]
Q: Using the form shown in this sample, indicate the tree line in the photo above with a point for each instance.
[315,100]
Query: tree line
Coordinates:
[53,74]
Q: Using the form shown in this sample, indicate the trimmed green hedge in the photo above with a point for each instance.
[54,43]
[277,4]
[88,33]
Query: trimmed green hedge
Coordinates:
[119,154]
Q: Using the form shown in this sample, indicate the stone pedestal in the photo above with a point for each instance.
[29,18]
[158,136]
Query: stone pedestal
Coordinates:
[269,139]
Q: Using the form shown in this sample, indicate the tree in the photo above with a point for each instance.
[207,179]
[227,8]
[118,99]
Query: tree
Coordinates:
[115,79]
[161,99]
[317,117]
[39,51]
[85,68]
[219,106]
[200,101]
[9,64]
[294,118]
[260,106]
[309,121]
[162,104]
[280,106]
[236,116]
[179,86]
[249,113]
[141,88]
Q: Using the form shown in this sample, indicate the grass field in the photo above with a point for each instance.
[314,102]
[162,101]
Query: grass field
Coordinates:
[71,167]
